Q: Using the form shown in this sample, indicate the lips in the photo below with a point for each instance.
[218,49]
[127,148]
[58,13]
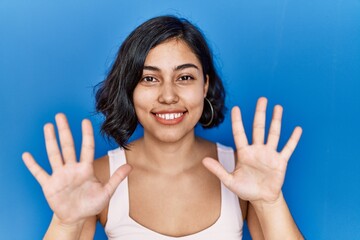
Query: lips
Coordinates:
[169,117]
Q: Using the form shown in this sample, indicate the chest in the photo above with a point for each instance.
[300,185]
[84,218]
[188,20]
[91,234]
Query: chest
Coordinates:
[174,205]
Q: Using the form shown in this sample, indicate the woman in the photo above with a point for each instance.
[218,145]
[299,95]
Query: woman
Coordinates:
[169,183]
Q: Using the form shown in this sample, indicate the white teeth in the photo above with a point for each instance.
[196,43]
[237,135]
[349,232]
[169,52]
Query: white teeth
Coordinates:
[169,116]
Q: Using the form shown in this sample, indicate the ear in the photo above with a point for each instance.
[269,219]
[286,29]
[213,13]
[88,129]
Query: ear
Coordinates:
[206,85]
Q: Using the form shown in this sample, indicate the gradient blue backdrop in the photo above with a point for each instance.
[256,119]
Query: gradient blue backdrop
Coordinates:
[304,55]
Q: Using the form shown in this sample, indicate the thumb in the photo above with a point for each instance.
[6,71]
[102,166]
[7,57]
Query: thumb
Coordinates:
[218,170]
[119,175]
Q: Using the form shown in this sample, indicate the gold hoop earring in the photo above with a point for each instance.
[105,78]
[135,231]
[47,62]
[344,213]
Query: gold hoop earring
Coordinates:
[212,113]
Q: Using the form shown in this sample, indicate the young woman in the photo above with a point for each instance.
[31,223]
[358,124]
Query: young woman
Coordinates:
[169,184]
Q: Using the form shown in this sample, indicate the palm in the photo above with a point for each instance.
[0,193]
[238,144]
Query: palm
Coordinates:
[72,188]
[260,169]
[72,191]
[259,173]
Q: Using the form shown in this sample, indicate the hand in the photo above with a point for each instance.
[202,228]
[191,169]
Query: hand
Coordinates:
[260,169]
[72,191]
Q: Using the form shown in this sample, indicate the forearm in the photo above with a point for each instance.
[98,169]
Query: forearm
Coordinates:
[58,230]
[276,220]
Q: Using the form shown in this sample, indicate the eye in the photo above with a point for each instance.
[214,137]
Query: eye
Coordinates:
[148,79]
[186,78]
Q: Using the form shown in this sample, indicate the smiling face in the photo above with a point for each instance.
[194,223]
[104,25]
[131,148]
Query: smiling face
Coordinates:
[169,98]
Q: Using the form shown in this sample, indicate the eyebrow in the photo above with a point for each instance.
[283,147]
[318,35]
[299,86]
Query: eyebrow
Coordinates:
[177,68]
[186,65]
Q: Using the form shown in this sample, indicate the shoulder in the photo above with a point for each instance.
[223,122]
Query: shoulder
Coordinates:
[229,152]
[224,148]
[219,146]
[104,164]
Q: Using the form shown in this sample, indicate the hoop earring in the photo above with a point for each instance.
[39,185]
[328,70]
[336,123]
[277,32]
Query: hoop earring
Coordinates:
[212,113]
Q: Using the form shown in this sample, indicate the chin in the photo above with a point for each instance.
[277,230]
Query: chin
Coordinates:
[171,136]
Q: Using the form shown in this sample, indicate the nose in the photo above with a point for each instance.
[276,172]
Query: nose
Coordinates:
[168,94]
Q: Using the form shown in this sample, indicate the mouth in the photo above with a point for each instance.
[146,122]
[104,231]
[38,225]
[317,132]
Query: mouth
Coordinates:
[169,118]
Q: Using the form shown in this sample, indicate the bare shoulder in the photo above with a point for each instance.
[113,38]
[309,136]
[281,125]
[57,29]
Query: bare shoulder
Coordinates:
[207,148]
[101,168]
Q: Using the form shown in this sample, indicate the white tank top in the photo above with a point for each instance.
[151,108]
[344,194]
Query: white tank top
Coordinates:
[120,226]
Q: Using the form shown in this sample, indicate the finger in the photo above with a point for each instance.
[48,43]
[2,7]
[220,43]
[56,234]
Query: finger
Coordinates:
[66,139]
[88,145]
[40,175]
[218,170]
[291,144]
[259,121]
[52,147]
[275,127]
[119,175]
[238,128]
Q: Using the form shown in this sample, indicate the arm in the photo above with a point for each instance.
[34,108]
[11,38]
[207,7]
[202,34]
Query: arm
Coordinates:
[58,230]
[254,224]
[276,221]
[260,171]
[83,231]
[73,192]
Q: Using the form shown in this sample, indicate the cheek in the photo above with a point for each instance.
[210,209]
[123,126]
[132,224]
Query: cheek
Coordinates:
[194,99]
[142,97]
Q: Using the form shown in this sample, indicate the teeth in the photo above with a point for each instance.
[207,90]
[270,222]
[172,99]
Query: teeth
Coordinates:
[169,116]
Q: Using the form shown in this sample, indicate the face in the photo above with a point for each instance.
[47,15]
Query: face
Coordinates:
[170,96]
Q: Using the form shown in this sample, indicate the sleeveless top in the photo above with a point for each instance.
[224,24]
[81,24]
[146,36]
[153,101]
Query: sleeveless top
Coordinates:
[120,226]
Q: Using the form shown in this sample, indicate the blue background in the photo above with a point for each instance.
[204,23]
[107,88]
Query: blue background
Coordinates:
[304,55]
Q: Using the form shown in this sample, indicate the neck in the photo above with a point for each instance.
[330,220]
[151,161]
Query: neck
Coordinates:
[170,157]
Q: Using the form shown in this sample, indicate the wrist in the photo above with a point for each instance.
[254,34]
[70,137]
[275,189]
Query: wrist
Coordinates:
[267,205]
[275,219]
[63,230]
[68,224]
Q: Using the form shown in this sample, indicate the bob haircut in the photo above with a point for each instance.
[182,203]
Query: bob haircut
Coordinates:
[114,96]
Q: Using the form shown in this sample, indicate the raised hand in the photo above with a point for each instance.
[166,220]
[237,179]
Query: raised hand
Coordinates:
[260,169]
[72,191]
